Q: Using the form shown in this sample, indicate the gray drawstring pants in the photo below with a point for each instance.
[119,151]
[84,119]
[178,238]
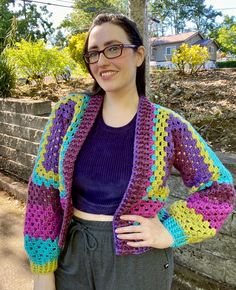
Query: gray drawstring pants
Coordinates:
[89,262]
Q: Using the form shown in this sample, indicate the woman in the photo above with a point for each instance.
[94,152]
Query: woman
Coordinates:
[95,215]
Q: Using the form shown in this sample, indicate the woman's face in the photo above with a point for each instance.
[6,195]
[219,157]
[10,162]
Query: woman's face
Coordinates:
[117,74]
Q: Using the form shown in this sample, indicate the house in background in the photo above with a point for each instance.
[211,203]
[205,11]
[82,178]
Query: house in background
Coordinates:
[162,48]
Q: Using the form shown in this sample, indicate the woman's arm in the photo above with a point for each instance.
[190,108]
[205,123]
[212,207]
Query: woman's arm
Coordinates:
[44,281]
[211,191]
[44,212]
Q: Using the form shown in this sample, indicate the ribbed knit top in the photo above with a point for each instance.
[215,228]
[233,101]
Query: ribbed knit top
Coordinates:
[103,167]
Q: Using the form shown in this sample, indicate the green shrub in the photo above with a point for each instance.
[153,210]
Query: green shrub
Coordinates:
[35,61]
[190,58]
[61,64]
[226,64]
[7,77]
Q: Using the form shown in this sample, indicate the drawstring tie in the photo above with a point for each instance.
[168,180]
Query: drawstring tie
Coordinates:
[90,242]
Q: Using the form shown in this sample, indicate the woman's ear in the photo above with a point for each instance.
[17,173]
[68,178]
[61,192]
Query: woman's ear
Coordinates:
[140,53]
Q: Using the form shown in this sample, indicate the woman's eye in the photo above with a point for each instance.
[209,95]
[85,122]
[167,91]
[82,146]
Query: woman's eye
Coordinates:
[113,48]
[93,54]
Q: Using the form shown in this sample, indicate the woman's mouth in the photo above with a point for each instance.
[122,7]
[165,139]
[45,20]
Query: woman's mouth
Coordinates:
[107,74]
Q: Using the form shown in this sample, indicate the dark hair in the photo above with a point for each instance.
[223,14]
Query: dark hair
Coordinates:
[134,37]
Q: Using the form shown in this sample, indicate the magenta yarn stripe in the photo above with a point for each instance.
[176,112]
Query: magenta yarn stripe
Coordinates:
[44,218]
[209,204]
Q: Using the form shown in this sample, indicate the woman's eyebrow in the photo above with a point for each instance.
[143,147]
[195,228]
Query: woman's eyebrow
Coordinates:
[105,44]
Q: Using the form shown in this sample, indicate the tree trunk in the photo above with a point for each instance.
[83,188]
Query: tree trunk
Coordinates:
[138,12]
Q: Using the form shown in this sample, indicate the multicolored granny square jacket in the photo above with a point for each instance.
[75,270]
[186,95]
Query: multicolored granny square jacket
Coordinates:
[163,139]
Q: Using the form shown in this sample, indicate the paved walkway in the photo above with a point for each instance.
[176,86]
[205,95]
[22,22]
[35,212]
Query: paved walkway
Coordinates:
[14,269]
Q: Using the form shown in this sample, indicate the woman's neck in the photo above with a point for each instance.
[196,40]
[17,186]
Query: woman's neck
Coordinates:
[122,101]
[118,110]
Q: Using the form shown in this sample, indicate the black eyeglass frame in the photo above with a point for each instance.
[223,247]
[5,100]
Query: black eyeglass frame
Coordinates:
[122,46]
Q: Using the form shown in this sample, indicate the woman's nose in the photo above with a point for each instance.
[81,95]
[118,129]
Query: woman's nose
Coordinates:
[102,60]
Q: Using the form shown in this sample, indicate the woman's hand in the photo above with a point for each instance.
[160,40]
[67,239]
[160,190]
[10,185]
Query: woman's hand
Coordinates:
[44,281]
[150,232]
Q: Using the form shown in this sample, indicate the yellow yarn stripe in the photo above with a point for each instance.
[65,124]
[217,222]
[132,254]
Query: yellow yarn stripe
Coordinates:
[158,191]
[45,268]
[195,228]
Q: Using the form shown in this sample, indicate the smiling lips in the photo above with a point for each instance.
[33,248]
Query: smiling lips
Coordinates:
[107,74]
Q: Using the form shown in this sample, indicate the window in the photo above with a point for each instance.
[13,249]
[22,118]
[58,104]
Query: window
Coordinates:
[211,49]
[153,51]
[170,50]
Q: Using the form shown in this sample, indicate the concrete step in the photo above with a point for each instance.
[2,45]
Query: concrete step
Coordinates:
[27,160]
[15,169]
[14,186]
[186,279]
[32,135]
[31,121]
[32,107]
[19,144]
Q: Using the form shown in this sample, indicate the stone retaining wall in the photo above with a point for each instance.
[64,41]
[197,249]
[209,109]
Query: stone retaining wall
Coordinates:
[21,126]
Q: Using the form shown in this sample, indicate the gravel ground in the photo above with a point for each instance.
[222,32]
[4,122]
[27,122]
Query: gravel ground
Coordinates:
[14,269]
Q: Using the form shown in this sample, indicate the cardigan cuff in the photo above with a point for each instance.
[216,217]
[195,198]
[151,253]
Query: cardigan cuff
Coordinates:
[45,268]
[180,239]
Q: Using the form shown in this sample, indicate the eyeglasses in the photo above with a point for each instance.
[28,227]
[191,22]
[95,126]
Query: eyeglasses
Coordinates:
[110,52]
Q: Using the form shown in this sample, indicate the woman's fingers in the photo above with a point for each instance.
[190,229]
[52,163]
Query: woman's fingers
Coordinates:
[128,229]
[138,236]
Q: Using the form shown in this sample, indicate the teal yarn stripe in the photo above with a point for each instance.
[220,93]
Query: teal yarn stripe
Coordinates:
[41,251]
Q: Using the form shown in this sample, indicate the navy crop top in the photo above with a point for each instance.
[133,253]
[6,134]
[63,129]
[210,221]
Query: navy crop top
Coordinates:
[103,167]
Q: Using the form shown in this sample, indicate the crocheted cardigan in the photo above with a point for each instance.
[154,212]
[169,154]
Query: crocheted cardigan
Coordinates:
[162,139]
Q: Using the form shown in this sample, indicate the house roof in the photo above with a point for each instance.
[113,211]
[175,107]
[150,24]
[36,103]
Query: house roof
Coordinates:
[205,42]
[173,38]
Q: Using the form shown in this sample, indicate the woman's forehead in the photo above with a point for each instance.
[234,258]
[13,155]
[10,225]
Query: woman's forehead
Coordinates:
[105,34]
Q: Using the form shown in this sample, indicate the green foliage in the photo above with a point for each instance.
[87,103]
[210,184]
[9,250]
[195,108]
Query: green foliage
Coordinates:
[60,40]
[34,61]
[226,64]
[190,58]
[85,11]
[33,22]
[5,21]
[226,35]
[60,63]
[30,22]
[7,77]
[76,44]
[175,14]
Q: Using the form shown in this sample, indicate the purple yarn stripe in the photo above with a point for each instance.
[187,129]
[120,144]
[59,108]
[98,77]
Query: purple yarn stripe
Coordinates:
[188,159]
[51,156]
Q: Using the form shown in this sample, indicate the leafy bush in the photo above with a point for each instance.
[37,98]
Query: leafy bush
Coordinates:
[34,60]
[7,77]
[61,64]
[30,59]
[226,64]
[190,58]
[75,47]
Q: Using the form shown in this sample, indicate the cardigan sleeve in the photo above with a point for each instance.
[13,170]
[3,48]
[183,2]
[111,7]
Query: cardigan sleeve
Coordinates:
[211,192]
[44,213]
